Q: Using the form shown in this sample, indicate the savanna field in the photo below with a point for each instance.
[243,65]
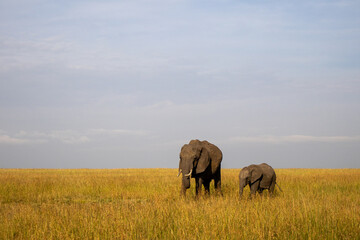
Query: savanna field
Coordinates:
[146,204]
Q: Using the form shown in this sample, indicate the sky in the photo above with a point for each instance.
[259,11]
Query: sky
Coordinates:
[125,84]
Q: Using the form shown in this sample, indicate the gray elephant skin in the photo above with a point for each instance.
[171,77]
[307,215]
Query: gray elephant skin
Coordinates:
[258,177]
[200,160]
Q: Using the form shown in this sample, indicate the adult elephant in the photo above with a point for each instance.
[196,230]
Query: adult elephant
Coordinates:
[258,177]
[200,160]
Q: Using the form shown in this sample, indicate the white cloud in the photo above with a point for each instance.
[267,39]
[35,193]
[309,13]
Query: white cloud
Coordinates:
[36,137]
[162,104]
[66,136]
[101,131]
[32,53]
[5,139]
[294,139]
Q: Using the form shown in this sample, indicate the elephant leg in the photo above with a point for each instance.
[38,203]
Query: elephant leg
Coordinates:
[207,186]
[260,191]
[197,186]
[272,188]
[217,182]
[254,187]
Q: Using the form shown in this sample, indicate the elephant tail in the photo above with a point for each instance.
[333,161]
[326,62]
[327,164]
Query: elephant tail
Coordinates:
[279,187]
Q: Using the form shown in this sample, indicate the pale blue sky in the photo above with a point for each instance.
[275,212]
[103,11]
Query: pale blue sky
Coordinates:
[117,84]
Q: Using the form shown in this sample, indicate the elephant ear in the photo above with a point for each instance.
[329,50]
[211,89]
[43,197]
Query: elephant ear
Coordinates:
[180,163]
[255,174]
[203,161]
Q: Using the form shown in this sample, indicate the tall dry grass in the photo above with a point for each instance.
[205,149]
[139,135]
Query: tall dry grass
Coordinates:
[146,204]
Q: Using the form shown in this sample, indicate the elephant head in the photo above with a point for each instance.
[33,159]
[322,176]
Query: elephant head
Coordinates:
[249,175]
[194,159]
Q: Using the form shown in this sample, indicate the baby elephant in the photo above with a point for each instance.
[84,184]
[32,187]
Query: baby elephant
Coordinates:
[259,177]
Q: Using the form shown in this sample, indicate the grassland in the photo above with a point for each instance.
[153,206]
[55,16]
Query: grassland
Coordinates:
[145,204]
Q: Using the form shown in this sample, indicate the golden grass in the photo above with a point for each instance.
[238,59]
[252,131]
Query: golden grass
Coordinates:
[146,204]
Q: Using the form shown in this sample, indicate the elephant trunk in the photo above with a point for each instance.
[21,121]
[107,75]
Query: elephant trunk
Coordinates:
[241,191]
[241,186]
[186,182]
[186,175]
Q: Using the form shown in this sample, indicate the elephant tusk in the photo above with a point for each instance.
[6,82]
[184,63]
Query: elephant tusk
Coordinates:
[189,174]
[180,170]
